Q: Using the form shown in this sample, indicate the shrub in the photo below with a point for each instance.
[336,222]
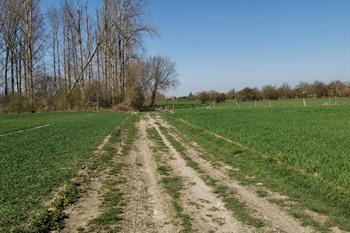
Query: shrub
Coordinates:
[203,97]
[135,98]
[17,103]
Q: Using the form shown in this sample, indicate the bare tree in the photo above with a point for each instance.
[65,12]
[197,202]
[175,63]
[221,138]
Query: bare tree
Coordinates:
[162,75]
[10,27]
[122,29]
[101,49]
[89,41]
[32,23]
[2,14]
[54,19]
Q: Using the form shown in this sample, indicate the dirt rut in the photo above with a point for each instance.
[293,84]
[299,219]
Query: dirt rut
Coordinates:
[207,211]
[85,210]
[276,217]
[148,207]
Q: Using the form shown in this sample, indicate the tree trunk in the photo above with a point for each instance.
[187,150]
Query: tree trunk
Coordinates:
[154,93]
[6,70]
[20,67]
[29,49]
[12,71]
[88,41]
[58,62]
[65,66]
[54,57]
[17,70]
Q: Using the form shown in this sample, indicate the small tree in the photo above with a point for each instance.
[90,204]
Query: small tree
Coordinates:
[203,97]
[270,92]
[135,98]
[220,97]
[162,75]
[249,94]
[231,94]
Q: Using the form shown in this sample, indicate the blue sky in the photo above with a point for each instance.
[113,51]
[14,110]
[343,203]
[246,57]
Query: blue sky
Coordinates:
[225,44]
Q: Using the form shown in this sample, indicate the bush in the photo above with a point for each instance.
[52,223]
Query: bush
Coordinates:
[203,97]
[17,103]
[211,96]
[135,98]
[91,93]
[219,97]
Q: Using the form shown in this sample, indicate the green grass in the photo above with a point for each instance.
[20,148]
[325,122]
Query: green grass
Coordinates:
[33,164]
[300,152]
[283,103]
[261,193]
[178,104]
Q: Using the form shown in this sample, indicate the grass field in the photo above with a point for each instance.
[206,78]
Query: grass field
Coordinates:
[283,103]
[36,162]
[301,152]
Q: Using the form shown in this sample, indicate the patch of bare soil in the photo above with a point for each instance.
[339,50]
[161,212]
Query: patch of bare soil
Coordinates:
[207,211]
[148,208]
[277,218]
[88,206]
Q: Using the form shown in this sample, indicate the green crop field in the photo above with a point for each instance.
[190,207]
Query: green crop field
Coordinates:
[299,152]
[302,152]
[283,103]
[34,163]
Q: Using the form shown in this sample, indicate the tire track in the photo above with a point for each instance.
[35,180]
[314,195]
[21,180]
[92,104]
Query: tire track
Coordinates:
[208,212]
[148,209]
[277,218]
[24,130]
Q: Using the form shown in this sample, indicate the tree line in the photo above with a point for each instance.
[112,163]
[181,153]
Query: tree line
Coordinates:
[316,89]
[67,58]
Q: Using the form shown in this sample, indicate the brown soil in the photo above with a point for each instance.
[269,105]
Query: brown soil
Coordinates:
[149,207]
[85,210]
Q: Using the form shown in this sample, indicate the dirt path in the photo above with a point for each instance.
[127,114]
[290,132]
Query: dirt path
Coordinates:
[277,218]
[207,211]
[149,207]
